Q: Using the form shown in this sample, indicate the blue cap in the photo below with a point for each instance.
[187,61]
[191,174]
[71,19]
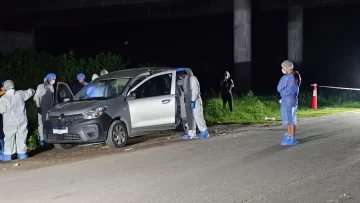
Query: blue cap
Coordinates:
[2,84]
[80,75]
[50,75]
[180,69]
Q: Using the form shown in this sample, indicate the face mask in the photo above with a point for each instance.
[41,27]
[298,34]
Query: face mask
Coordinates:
[52,82]
[283,71]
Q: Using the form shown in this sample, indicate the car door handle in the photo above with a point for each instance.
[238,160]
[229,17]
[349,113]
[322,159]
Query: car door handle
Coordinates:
[166,101]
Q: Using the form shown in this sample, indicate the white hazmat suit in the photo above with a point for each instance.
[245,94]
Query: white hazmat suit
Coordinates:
[195,116]
[12,106]
[103,72]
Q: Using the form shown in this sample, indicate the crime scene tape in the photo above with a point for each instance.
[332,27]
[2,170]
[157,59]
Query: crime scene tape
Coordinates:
[340,88]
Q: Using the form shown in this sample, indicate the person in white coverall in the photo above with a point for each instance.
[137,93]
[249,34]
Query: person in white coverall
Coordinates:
[103,72]
[44,100]
[94,76]
[12,106]
[193,105]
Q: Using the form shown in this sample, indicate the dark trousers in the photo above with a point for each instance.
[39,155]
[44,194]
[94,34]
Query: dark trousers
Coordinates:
[2,135]
[227,98]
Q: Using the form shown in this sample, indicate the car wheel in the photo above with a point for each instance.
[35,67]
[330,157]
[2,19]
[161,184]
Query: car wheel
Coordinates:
[117,135]
[63,146]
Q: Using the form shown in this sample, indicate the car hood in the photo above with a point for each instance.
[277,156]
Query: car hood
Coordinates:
[78,107]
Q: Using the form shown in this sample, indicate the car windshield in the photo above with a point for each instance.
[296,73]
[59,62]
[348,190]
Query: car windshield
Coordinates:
[102,89]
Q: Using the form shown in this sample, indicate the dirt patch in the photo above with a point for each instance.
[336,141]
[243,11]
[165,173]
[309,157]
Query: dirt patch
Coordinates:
[51,157]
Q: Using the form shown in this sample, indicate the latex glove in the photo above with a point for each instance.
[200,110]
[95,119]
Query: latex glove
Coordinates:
[192,105]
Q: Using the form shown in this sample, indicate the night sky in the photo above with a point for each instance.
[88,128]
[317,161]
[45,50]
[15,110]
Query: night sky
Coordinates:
[205,44]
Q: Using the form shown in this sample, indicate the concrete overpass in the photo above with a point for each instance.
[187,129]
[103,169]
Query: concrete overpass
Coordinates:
[21,18]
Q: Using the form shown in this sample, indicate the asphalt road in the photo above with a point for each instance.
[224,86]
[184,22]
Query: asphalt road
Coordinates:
[243,167]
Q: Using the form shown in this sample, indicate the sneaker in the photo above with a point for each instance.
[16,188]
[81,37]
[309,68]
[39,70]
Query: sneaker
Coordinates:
[285,139]
[204,135]
[186,137]
[7,157]
[22,156]
[293,141]
[289,141]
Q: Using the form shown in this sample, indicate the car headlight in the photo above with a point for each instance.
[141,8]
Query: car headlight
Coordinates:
[94,113]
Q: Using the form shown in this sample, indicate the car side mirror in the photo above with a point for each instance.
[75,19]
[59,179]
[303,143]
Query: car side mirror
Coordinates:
[66,99]
[132,95]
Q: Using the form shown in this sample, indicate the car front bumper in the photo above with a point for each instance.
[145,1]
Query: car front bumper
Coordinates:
[78,130]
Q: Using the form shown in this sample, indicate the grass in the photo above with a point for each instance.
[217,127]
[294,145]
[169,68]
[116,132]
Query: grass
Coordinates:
[323,112]
[251,109]
[248,109]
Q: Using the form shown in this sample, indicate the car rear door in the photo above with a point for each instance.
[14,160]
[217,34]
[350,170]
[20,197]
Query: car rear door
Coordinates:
[154,104]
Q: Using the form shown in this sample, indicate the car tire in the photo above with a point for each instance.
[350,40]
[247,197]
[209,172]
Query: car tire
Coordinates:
[117,135]
[63,146]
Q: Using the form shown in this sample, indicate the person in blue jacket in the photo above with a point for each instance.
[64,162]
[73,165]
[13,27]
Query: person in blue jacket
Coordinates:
[288,88]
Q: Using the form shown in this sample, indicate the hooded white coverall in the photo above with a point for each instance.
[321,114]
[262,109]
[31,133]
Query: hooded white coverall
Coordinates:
[44,100]
[103,72]
[94,76]
[195,117]
[12,106]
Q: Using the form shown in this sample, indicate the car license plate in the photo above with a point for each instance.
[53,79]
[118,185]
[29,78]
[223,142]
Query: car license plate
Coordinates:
[60,129]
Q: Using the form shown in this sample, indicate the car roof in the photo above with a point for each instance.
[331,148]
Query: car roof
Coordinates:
[131,73]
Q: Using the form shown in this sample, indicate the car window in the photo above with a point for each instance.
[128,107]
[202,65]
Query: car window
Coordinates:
[62,92]
[137,81]
[156,86]
[102,89]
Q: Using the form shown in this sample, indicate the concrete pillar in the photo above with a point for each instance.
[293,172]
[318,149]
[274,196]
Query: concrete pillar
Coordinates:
[295,36]
[242,44]
[11,41]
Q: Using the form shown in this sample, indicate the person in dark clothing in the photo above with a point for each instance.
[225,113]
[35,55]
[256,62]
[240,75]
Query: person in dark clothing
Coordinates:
[79,84]
[2,135]
[226,87]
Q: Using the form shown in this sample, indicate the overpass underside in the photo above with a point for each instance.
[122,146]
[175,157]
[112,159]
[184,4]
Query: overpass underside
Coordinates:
[284,4]
[42,13]
[16,7]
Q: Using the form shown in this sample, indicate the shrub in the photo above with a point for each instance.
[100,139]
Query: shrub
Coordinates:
[28,69]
